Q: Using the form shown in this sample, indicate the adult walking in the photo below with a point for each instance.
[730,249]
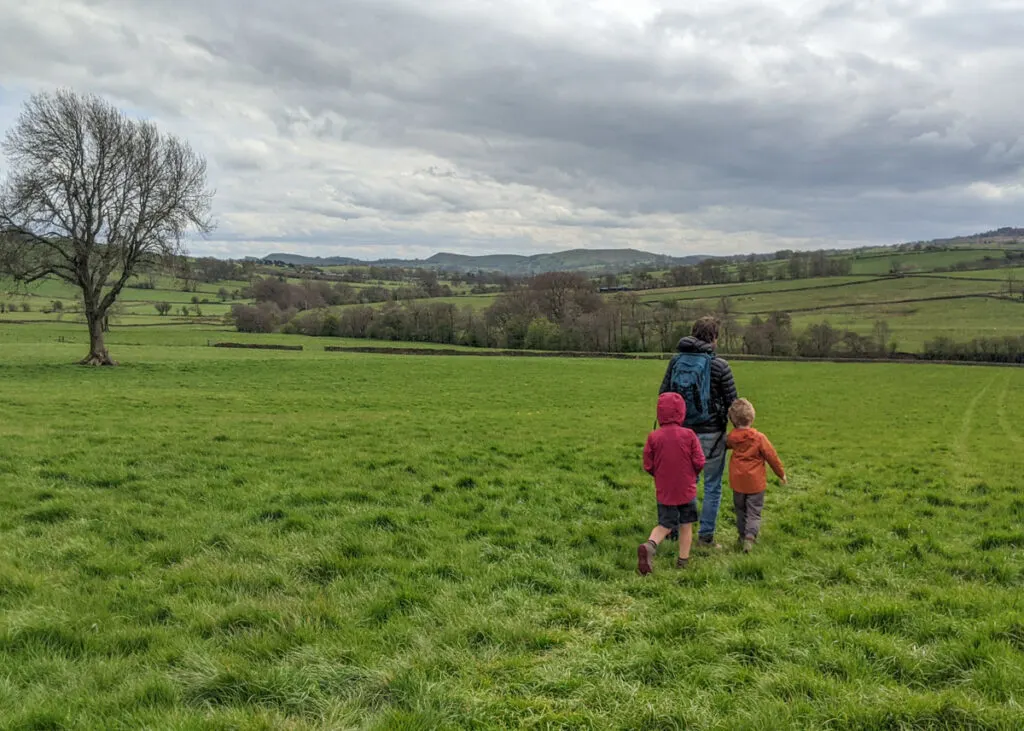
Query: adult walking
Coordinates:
[706,382]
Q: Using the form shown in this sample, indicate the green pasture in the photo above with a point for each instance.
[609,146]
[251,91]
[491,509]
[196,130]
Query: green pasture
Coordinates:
[923,261]
[737,289]
[206,538]
[915,323]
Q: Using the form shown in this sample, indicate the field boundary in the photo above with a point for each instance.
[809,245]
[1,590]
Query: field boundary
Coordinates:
[910,358]
[488,352]
[873,278]
[258,346]
[915,300]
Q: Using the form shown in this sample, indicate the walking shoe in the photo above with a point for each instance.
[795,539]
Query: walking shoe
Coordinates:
[644,553]
[682,562]
[708,543]
[748,545]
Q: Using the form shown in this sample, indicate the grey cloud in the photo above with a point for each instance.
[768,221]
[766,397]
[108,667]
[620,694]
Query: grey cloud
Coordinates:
[730,119]
[516,90]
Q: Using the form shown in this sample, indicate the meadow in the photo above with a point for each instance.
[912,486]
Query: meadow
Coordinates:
[916,308]
[222,539]
[923,261]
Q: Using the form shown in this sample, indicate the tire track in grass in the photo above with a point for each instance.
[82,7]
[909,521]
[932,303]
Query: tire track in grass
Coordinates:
[961,452]
[1004,422]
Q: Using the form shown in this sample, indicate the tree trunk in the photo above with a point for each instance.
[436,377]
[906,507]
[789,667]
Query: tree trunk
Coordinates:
[98,355]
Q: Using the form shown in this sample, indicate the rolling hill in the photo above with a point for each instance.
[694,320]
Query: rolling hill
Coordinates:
[596,261]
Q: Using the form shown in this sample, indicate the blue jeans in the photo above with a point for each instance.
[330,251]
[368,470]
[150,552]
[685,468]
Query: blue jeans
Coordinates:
[713,445]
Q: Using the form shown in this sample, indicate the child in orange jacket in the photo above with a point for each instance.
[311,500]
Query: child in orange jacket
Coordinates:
[750,451]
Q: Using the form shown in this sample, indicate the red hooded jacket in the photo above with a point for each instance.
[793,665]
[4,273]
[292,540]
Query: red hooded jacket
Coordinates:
[673,453]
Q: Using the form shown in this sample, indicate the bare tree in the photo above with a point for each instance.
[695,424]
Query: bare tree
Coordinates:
[92,197]
[881,335]
[729,329]
[664,321]
[639,317]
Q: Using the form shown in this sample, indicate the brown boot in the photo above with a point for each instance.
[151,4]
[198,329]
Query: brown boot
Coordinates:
[644,555]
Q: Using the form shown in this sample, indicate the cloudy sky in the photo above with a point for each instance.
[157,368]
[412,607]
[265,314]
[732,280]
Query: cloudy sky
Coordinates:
[403,127]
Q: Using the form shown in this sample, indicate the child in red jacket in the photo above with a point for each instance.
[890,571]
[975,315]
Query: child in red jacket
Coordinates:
[750,451]
[674,456]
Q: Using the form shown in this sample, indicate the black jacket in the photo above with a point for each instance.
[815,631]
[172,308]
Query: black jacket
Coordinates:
[723,386]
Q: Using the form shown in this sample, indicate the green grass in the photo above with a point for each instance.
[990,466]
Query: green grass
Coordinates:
[134,307]
[915,323]
[717,291]
[1000,275]
[171,332]
[860,292]
[204,538]
[858,303]
[924,261]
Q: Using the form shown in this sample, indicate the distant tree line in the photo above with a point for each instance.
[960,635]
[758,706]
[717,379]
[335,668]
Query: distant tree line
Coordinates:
[1008,349]
[555,311]
[563,311]
[279,301]
[479,282]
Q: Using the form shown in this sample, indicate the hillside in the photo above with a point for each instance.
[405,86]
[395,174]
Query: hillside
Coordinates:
[936,254]
[597,261]
[581,260]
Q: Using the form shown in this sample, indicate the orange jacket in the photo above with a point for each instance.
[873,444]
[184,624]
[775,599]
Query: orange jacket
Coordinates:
[750,450]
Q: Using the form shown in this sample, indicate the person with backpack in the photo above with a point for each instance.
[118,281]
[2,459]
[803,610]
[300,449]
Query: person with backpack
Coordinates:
[706,384]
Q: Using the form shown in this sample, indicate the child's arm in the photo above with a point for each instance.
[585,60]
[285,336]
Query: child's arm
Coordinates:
[772,458]
[649,455]
[696,453]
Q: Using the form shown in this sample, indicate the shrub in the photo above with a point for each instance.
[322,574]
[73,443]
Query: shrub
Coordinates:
[262,318]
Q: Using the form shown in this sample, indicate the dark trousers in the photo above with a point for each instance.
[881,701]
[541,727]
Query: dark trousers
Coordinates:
[748,513]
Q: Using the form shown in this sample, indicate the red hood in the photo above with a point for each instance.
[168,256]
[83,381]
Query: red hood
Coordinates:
[671,409]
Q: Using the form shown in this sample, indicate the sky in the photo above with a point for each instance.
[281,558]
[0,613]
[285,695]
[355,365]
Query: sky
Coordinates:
[380,128]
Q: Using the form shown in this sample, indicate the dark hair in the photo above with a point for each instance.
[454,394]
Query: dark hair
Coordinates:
[706,329]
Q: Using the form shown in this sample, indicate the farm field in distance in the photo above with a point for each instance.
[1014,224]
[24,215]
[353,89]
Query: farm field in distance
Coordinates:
[918,307]
[205,538]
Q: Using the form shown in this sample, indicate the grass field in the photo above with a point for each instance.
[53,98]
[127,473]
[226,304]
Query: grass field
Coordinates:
[204,538]
[175,335]
[134,306]
[917,308]
[923,261]
[915,323]
[854,303]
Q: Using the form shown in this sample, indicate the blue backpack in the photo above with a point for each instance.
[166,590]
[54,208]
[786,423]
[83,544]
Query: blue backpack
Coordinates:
[691,379]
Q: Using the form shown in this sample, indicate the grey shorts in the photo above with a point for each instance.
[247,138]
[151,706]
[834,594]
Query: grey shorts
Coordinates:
[673,516]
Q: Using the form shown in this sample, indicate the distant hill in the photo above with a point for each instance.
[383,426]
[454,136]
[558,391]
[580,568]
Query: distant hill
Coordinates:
[311,261]
[595,261]
[615,261]
[576,260]
[999,236]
